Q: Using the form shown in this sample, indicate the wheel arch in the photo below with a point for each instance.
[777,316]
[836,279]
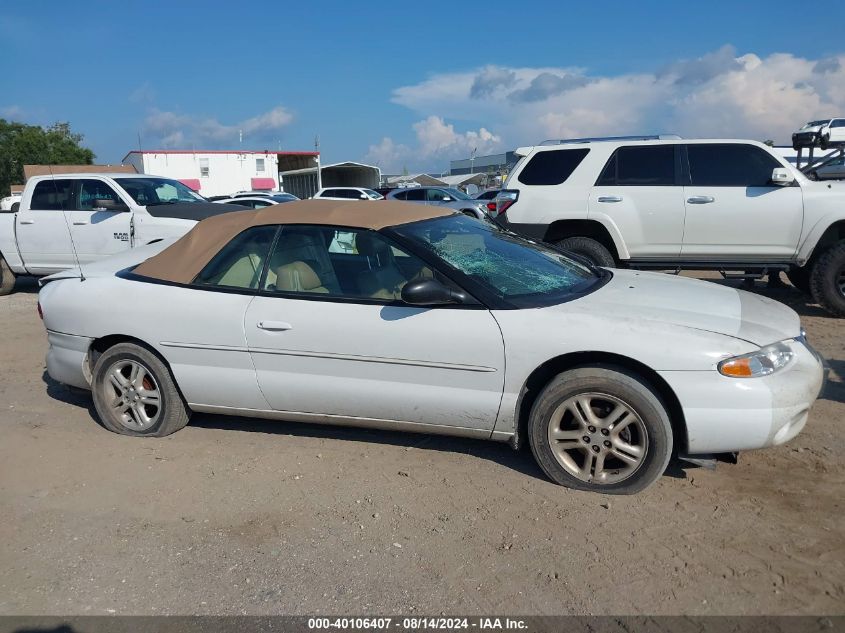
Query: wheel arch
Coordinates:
[542,375]
[100,345]
[593,229]
[834,233]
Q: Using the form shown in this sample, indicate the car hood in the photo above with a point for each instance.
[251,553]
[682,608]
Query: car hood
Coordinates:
[196,211]
[701,305]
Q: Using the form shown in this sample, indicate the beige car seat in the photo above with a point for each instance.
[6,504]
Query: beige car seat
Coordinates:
[298,277]
[383,279]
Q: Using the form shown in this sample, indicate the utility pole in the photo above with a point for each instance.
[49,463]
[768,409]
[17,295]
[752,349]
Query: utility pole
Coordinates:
[317,160]
[472,160]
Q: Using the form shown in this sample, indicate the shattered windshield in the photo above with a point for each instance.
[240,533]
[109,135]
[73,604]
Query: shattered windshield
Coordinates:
[520,272]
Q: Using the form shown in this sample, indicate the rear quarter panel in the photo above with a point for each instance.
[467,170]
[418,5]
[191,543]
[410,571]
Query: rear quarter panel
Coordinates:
[218,372]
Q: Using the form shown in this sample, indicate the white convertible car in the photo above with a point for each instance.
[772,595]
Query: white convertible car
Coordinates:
[401,316]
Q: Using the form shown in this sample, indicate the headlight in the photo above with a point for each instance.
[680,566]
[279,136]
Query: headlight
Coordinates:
[767,360]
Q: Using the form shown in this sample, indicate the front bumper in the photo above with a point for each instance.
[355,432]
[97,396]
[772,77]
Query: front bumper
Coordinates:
[724,415]
[67,359]
[805,139]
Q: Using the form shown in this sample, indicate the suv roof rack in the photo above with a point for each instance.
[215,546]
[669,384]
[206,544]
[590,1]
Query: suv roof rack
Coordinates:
[595,139]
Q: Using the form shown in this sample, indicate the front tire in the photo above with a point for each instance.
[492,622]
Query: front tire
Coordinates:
[589,249]
[7,278]
[600,429]
[135,394]
[827,281]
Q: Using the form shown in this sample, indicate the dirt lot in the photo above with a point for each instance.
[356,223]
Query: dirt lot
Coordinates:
[231,516]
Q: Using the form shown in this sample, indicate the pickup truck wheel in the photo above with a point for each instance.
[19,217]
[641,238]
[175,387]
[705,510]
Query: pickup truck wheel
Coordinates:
[135,394]
[588,248]
[800,278]
[600,429]
[7,278]
[827,281]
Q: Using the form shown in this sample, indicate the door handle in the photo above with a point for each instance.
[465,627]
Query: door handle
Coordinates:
[274,326]
[27,221]
[610,198]
[701,199]
[79,222]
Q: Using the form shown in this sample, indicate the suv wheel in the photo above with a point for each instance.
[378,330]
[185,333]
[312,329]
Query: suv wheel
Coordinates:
[135,394]
[600,429]
[827,281]
[589,249]
[7,278]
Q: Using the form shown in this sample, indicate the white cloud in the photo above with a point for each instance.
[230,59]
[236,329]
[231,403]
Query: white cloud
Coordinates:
[436,141]
[387,155]
[144,93]
[437,137]
[720,94]
[12,112]
[169,129]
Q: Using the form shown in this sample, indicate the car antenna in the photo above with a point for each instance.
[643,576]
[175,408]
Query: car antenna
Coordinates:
[67,225]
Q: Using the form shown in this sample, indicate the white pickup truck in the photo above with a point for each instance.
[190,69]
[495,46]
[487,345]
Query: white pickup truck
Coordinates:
[73,219]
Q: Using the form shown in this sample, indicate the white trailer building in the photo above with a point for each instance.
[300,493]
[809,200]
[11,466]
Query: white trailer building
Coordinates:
[214,173]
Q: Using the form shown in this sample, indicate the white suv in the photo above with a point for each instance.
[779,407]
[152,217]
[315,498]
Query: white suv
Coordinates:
[824,133]
[652,202]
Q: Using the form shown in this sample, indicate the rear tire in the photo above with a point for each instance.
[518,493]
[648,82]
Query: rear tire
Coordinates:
[7,278]
[589,249]
[600,429]
[827,281]
[800,278]
[135,393]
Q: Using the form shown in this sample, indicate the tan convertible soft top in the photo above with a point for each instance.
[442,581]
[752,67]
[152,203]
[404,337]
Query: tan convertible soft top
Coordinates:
[182,261]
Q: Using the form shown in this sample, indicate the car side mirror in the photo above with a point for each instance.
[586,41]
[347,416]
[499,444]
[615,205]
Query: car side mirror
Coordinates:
[364,196]
[447,199]
[430,292]
[109,205]
[782,176]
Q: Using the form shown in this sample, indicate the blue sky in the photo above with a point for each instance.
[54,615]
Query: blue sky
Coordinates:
[414,84]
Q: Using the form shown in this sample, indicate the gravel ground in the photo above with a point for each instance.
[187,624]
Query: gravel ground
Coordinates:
[233,516]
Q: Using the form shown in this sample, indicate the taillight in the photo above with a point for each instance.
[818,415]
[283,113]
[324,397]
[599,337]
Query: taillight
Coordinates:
[491,207]
[504,201]
[40,312]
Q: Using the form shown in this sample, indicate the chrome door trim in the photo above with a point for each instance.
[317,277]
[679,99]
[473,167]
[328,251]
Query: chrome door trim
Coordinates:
[352,357]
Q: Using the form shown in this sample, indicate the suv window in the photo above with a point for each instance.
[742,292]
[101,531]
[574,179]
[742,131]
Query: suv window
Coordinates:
[52,195]
[552,167]
[240,262]
[415,194]
[730,165]
[92,191]
[838,123]
[330,193]
[402,195]
[640,166]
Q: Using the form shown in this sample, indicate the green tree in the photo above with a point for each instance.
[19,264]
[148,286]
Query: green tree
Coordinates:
[22,144]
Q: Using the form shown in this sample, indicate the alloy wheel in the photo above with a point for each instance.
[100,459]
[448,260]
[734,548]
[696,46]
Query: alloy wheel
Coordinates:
[133,395]
[598,438]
